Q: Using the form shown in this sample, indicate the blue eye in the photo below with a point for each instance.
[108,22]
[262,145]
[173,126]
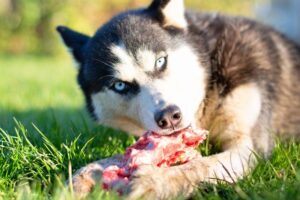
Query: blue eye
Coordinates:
[119,86]
[160,63]
[125,88]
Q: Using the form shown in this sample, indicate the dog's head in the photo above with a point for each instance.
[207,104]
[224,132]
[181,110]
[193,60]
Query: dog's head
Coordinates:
[140,70]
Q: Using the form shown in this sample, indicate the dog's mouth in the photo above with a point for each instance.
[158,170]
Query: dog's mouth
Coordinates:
[174,131]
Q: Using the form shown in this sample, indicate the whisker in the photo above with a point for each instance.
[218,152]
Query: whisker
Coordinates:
[110,81]
[102,62]
[100,78]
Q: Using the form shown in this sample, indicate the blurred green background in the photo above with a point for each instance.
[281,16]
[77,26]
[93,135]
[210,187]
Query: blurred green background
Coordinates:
[28,26]
[38,89]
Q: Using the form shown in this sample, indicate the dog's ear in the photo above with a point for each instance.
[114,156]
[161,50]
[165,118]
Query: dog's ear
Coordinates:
[170,12]
[74,41]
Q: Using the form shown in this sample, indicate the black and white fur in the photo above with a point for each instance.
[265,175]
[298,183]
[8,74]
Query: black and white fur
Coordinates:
[163,69]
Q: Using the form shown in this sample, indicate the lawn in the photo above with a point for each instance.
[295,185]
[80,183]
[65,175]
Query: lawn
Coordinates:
[44,130]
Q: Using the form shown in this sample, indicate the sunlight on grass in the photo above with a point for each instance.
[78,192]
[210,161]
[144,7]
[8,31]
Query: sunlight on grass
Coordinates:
[32,82]
[44,127]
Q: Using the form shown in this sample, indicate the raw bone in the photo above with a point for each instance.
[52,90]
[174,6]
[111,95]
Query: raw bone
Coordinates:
[153,149]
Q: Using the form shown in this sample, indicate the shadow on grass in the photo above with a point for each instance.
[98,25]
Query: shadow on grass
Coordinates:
[64,126]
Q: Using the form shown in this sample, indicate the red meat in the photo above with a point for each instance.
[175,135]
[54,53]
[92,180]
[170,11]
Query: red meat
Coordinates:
[153,149]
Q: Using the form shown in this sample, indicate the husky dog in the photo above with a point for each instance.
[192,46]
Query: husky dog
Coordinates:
[163,68]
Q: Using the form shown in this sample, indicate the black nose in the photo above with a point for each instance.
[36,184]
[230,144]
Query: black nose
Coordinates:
[169,117]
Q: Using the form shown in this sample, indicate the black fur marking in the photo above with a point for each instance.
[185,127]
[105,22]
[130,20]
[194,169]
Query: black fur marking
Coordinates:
[74,40]
[159,4]
[87,94]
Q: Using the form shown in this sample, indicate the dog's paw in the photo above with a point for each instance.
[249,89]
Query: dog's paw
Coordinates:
[151,182]
[85,179]
[146,183]
[82,185]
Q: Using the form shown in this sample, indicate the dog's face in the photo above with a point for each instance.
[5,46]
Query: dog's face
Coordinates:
[139,71]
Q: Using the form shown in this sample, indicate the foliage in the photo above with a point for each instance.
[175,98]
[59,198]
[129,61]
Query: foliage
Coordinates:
[28,26]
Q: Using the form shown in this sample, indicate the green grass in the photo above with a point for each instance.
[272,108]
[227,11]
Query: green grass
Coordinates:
[44,127]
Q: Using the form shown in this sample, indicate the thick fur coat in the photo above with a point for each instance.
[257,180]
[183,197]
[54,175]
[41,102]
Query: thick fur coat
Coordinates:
[234,76]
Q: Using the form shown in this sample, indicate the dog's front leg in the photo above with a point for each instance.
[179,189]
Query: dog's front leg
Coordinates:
[243,108]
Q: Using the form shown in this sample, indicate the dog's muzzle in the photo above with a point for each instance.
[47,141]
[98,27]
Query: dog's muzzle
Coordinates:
[168,118]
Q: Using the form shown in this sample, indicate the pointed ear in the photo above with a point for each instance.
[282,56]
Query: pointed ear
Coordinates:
[74,41]
[171,12]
